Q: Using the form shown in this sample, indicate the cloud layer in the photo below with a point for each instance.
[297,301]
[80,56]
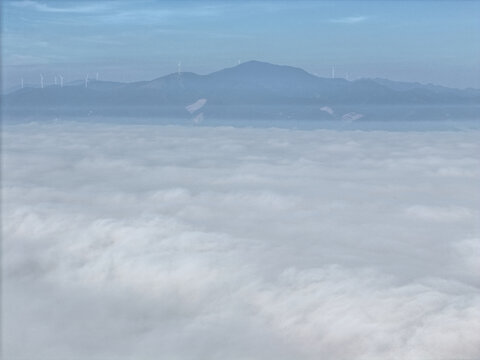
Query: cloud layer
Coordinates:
[152,242]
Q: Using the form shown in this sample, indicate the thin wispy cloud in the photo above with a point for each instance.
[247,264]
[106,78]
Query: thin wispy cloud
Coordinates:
[43,7]
[119,11]
[154,15]
[349,20]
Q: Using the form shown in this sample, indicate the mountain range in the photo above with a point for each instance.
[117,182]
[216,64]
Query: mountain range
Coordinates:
[249,89]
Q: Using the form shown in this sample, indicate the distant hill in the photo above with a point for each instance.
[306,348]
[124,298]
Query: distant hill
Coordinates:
[238,90]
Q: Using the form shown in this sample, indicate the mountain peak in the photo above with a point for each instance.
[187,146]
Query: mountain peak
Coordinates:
[263,65]
[251,63]
[261,69]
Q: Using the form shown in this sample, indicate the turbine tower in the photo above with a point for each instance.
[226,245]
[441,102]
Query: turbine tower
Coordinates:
[86,81]
[96,76]
[61,80]
[179,67]
[333,72]
[55,79]
[22,82]
[41,81]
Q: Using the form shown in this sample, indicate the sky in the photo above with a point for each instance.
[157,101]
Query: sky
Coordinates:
[181,242]
[425,41]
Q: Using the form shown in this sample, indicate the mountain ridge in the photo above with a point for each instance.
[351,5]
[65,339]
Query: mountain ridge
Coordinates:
[247,85]
[257,65]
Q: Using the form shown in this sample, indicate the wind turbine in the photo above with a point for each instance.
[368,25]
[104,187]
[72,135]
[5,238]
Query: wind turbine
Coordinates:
[333,72]
[179,67]
[22,82]
[61,80]
[41,81]
[96,76]
[86,81]
[55,79]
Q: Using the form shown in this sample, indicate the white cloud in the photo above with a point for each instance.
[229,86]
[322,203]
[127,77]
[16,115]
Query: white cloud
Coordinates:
[44,7]
[351,116]
[197,105]
[196,242]
[435,213]
[349,19]
[327,109]
[198,118]
[121,11]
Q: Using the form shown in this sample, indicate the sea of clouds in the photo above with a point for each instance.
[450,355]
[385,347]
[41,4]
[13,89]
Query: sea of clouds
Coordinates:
[171,242]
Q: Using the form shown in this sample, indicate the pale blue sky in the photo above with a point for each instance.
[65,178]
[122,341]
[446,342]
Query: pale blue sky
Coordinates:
[426,41]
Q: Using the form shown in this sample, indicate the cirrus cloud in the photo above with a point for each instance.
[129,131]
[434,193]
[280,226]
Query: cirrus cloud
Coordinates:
[349,19]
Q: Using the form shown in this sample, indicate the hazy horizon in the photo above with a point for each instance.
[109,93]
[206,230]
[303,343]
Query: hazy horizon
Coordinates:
[258,213]
[126,41]
[96,77]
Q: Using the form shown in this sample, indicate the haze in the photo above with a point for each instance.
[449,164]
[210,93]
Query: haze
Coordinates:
[430,42]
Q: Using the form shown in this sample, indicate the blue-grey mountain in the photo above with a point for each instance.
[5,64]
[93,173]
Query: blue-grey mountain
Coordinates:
[248,90]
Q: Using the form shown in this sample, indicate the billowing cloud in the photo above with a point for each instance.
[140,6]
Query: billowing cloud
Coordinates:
[174,242]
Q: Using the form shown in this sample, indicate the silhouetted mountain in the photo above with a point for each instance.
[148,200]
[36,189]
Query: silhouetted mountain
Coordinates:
[252,83]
